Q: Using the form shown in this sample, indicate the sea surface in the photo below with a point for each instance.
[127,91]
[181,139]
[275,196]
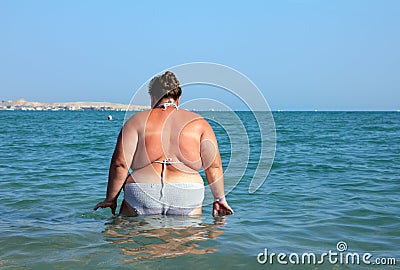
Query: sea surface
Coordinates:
[334,187]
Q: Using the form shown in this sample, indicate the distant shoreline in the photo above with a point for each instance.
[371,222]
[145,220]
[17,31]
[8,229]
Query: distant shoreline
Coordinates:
[24,105]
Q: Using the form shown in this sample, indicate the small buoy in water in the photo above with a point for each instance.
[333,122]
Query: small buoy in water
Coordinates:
[109,118]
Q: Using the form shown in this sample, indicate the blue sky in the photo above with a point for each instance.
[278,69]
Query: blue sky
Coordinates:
[303,55]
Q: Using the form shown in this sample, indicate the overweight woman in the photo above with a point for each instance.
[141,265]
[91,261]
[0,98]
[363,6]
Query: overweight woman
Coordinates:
[164,148]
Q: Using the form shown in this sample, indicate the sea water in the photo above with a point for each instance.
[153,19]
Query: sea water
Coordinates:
[333,187]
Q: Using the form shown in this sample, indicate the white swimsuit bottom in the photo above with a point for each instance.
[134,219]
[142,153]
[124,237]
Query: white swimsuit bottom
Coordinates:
[165,199]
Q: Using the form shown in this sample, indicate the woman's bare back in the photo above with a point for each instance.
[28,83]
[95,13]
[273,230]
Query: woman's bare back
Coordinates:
[161,134]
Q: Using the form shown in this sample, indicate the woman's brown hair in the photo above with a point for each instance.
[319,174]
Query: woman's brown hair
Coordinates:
[165,86]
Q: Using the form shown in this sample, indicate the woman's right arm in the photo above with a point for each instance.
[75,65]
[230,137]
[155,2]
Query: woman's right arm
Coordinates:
[120,163]
[211,161]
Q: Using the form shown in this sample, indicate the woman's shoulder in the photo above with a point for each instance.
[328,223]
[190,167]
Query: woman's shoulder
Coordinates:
[192,116]
[195,120]
[138,117]
[191,113]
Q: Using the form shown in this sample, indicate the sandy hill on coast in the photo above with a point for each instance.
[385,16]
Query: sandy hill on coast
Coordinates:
[23,104]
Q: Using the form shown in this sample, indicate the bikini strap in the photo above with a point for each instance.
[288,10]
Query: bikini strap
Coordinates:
[167,104]
[164,163]
[167,161]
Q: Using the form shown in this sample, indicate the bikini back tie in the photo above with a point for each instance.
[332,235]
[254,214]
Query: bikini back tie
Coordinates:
[167,104]
[164,163]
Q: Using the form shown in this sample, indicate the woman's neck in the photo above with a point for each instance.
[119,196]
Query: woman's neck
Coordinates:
[165,100]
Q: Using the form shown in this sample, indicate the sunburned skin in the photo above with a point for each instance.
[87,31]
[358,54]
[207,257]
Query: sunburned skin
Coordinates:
[175,134]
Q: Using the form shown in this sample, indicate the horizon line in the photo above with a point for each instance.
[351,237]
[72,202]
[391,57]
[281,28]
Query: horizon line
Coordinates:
[212,109]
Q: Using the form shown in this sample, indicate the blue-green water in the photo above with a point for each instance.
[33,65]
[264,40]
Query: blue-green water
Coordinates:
[336,177]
